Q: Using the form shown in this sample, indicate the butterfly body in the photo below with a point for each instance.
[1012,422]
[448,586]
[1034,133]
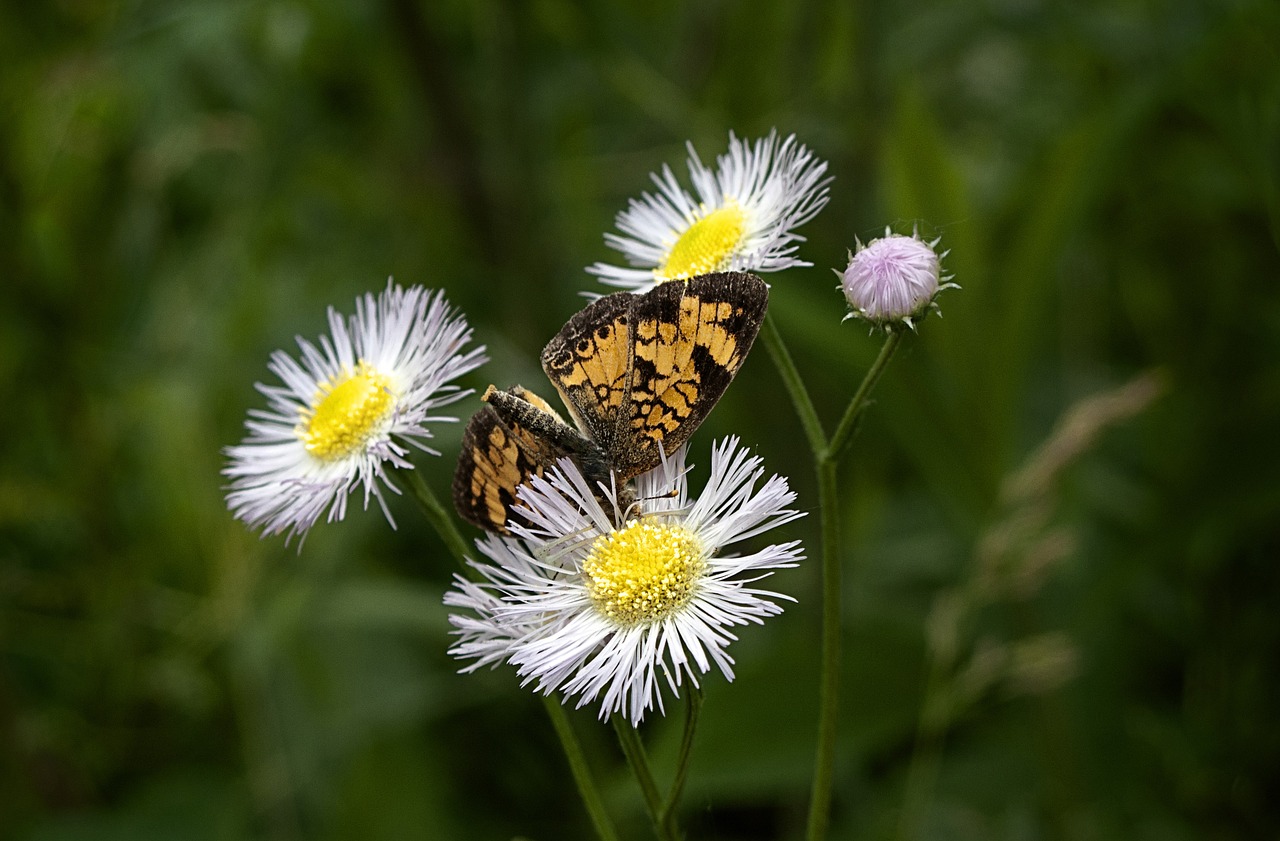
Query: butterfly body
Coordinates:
[638,373]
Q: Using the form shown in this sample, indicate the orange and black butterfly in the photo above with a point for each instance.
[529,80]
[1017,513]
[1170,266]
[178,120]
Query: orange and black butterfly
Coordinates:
[638,372]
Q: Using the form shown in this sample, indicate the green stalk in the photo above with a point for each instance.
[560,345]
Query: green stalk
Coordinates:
[587,790]
[829,668]
[825,455]
[633,749]
[795,387]
[693,706]
[844,430]
[832,572]
[829,673]
[441,519]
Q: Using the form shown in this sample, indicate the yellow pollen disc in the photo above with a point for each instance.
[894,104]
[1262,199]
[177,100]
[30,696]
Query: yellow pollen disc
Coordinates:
[345,412]
[644,572]
[707,245]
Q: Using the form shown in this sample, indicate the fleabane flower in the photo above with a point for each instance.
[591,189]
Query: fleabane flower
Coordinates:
[743,219]
[350,408]
[607,604]
[892,280]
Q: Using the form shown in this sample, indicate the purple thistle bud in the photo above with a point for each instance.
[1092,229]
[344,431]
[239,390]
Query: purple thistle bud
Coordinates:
[893,279]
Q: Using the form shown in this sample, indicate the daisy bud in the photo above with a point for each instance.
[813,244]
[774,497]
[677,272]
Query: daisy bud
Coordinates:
[893,280]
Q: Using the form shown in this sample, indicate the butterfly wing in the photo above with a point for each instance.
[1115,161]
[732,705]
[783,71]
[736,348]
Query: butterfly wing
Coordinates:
[690,340]
[640,373]
[499,454]
[590,362]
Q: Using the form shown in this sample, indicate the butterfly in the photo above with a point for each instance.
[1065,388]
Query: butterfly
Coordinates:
[638,373]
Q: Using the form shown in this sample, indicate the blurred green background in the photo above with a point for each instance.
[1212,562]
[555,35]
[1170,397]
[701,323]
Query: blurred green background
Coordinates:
[1061,615]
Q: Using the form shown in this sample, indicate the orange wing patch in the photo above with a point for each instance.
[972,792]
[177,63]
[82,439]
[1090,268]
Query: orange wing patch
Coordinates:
[498,455]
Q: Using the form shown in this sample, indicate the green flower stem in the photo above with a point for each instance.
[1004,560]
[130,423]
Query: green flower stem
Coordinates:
[832,572]
[829,673]
[633,749]
[795,387]
[844,430]
[441,519]
[825,455]
[693,706]
[587,790]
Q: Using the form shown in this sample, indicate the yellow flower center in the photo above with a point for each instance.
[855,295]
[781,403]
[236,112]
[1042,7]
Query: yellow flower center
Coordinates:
[644,572]
[345,412]
[707,245]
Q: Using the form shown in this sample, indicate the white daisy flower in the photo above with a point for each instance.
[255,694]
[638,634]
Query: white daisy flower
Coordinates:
[350,408]
[609,605]
[743,219]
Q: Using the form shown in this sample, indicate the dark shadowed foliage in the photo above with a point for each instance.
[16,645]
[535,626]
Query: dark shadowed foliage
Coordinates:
[1062,512]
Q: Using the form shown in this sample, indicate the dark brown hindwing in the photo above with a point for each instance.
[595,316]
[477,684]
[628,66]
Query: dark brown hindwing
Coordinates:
[498,455]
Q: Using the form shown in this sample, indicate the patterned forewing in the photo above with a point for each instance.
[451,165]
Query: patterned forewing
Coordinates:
[690,340]
[590,361]
[497,457]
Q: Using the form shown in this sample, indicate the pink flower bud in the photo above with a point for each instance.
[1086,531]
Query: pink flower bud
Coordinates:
[893,279]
